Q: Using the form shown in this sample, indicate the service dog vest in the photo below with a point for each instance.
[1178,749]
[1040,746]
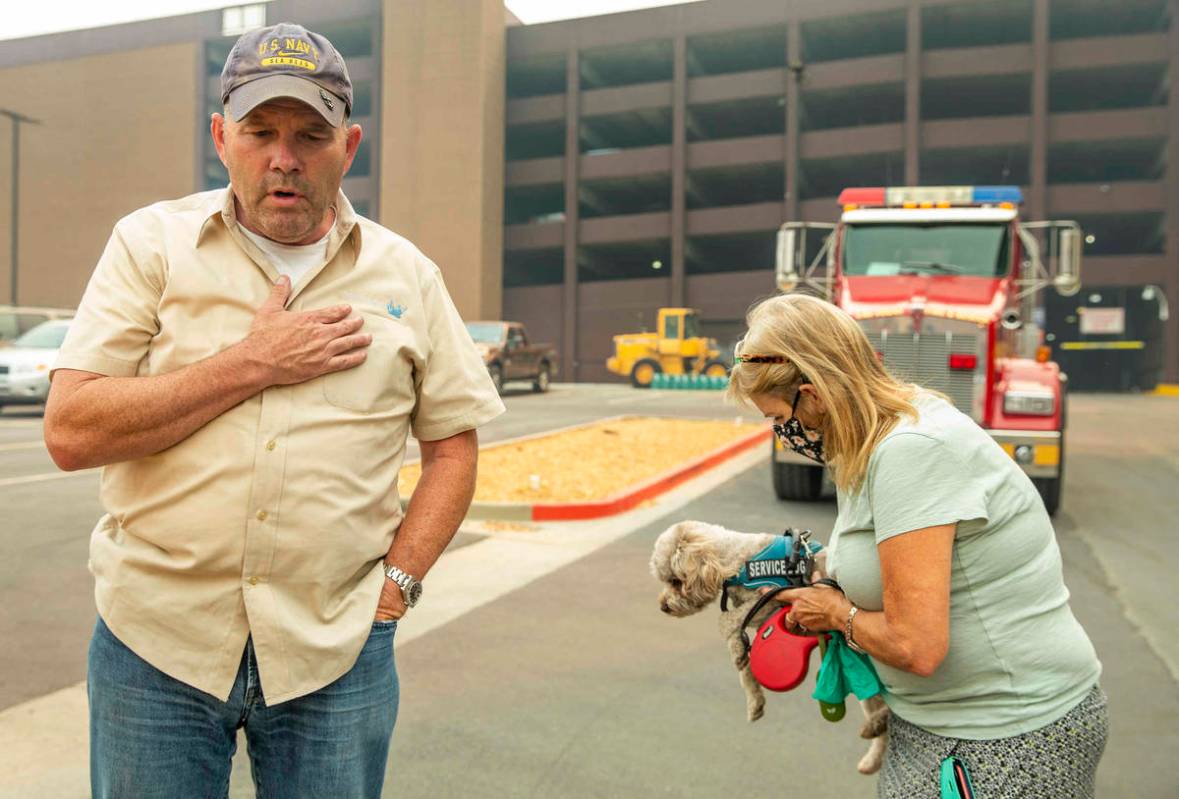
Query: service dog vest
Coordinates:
[776,566]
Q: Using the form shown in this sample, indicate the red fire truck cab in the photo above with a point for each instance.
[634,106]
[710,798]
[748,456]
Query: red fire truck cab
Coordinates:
[945,281]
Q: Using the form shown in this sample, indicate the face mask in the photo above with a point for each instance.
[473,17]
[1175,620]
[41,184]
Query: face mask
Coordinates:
[792,434]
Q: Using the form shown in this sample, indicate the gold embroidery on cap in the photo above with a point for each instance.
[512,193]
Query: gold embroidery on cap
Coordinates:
[288,53]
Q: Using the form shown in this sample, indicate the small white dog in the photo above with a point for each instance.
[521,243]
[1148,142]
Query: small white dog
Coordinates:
[693,560]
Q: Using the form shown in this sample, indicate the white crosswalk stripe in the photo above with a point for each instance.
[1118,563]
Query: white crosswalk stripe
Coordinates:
[40,478]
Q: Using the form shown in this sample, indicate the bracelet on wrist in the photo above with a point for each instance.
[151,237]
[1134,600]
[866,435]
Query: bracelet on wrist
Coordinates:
[848,633]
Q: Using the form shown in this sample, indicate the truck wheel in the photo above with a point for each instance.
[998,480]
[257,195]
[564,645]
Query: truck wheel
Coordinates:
[1049,488]
[793,481]
[497,377]
[715,368]
[541,383]
[643,373]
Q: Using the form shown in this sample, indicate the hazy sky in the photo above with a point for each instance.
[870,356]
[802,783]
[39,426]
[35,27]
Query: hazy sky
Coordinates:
[27,18]
[530,11]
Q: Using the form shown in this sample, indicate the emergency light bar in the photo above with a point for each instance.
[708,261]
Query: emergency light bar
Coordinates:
[930,196]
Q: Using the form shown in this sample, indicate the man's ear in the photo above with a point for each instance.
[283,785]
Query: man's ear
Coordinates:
[352,138]
[217,131]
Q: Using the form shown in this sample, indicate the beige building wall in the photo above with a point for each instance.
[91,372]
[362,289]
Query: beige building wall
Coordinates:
[442,148]
[116,133]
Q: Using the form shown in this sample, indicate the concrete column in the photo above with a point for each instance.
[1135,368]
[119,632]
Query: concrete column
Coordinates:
[913,96]
[1037,207]
[1171,335]
[441,147]
[794,75]
[679,177]
[572,162]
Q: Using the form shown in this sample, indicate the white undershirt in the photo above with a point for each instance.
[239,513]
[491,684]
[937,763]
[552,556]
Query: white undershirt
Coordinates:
[294,261]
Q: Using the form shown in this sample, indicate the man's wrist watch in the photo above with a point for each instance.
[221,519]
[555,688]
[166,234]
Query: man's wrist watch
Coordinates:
[411,589]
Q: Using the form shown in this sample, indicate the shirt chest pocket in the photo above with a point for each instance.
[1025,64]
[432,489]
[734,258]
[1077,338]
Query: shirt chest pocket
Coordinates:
[384,382]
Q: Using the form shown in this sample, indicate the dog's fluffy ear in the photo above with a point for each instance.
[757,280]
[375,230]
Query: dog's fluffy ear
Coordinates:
[661,556]
[696,557]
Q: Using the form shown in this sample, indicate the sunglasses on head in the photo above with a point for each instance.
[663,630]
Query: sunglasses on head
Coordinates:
[760,359]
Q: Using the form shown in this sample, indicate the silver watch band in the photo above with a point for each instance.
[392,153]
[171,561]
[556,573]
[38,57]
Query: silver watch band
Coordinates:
[411,588]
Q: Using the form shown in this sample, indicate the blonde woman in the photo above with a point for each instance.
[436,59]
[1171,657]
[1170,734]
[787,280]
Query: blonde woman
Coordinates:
[948,564]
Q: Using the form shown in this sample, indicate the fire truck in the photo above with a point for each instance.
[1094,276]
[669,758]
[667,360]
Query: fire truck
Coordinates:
[945,282]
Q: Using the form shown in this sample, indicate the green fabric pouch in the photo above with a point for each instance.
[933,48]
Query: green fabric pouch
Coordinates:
[845,671]
[955,780]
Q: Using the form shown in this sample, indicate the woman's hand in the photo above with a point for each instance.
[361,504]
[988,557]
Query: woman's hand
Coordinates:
[813,610]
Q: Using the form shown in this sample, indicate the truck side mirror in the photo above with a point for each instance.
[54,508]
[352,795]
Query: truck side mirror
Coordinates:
[1156,294]
[1068,273]
[785,267]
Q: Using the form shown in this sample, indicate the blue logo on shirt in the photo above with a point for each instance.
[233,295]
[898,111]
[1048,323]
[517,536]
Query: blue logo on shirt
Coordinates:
[394,310]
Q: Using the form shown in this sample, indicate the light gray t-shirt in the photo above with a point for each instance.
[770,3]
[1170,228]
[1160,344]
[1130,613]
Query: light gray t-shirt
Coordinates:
[1018,659]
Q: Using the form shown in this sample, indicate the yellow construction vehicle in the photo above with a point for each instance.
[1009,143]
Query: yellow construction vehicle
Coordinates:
[675,349]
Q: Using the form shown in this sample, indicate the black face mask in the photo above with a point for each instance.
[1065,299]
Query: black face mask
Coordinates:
[792,434]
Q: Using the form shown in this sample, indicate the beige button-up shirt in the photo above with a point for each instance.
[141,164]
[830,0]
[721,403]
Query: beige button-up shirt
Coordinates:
[272,520]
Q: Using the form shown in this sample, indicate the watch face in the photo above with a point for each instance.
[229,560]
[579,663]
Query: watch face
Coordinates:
[415,593]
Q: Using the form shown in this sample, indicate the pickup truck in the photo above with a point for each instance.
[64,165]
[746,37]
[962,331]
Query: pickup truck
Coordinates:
[509,357]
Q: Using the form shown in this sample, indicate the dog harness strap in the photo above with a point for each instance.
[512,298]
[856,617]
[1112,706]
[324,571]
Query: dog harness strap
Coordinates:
[766,567]
[776,566]
[758,605]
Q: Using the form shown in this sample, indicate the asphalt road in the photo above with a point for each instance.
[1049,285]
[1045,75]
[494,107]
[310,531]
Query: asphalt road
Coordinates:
[572,684]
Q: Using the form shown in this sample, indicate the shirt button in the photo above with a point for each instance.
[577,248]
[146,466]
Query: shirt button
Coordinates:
[270,445]
[253,581]
[261,515]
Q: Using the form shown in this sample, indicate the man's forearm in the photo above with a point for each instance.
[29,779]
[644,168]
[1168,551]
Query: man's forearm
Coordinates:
[113,419]
[440,502]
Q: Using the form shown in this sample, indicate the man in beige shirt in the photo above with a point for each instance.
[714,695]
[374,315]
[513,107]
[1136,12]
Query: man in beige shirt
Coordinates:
[247,364]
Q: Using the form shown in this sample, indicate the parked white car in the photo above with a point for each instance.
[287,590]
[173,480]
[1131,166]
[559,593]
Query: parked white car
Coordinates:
[16,320]
[25,364]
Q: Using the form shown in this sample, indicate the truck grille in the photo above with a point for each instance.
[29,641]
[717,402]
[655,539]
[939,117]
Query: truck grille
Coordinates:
[924,359]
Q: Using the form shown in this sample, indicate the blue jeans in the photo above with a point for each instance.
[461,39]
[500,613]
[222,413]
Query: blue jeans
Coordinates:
[154,736]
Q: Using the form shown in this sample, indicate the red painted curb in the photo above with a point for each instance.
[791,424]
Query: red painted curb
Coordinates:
[622,502]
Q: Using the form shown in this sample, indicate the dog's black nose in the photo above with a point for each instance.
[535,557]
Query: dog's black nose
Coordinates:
[665,607]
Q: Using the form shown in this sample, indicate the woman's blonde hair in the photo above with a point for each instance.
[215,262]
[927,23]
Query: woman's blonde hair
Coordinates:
[823,346]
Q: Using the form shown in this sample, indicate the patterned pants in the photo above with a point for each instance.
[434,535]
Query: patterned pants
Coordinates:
[1053,762]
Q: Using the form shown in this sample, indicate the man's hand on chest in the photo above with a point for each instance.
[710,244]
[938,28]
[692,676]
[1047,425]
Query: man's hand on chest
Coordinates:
[296,346]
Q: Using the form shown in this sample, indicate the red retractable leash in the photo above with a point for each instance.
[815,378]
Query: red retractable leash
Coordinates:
[779,659]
